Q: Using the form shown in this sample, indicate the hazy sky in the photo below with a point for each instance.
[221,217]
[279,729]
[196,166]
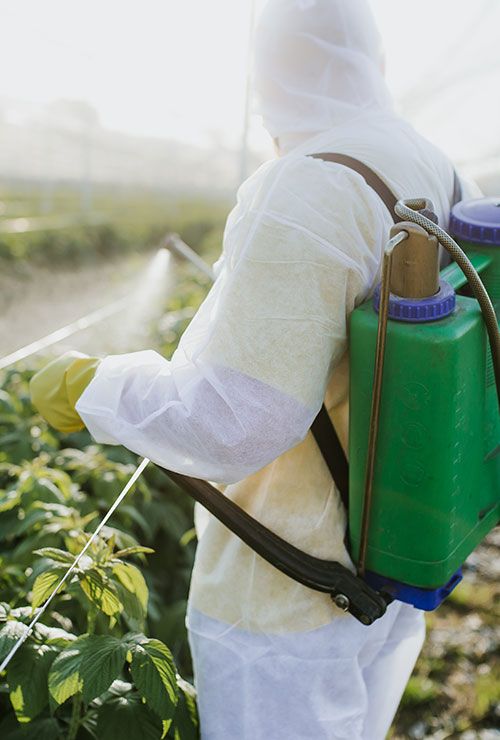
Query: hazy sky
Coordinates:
[177,68]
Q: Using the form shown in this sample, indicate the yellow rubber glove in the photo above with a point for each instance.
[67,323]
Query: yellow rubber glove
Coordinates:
[57,387]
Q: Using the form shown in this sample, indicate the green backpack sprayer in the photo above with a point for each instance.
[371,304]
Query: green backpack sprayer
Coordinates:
[434,488]
[423,485]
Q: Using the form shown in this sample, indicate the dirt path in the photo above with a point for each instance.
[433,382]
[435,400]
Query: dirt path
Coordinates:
[455,689]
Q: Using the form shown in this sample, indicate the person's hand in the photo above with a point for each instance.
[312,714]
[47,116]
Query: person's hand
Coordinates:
[57,387]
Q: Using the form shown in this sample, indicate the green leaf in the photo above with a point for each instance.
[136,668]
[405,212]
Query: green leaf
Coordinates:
[133,611]
[117,688]
[76,541]
[7,403]
[32,518]
[8,522]
[187,537]
[138,519]
[103,657]
[173,520]
[27,678]
[133,580]
[44,585]
[52,635]
[154,674]
[132,551]
[64,675]
[123,539]
[101,592]
[9,499]
[89,665]
[41,729]
[9,635]
[169,623]
[41,489]
[127,718]
[61,479]
[21,613]
[133,593]
[186,723]
[54,553]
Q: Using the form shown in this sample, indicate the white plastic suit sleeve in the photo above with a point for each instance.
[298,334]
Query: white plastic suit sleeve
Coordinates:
[250,372]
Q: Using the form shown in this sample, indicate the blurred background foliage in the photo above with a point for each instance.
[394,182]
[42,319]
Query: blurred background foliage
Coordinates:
[121,221]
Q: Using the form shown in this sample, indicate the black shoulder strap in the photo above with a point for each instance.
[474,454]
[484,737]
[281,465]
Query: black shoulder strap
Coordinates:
[333,453]
[371,178]
[322,428]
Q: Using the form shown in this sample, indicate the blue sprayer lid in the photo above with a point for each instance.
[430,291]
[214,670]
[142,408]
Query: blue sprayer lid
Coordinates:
[419,310]
[477,220]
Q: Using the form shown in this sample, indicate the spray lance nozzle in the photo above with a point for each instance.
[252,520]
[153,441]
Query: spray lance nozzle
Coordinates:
[179,248]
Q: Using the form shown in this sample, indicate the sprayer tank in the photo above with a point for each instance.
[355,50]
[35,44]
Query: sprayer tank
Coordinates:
[437,474]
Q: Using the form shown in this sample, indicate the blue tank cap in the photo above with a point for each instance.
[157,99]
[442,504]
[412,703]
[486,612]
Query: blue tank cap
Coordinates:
[477,220]
[413,310]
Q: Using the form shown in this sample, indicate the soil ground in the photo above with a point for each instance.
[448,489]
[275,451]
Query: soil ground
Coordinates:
[455,689]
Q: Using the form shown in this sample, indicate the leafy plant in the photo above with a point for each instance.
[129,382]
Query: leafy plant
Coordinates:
[90,685]
[101,679]
[99,660]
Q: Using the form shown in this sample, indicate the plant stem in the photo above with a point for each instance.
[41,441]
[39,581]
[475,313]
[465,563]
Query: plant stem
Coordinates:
[77,699]
[75,717]
[91,617]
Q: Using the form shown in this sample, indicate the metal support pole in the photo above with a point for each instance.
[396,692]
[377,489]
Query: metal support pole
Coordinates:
[376,396]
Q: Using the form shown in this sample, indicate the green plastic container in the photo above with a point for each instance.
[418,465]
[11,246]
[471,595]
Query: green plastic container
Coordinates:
[437,476]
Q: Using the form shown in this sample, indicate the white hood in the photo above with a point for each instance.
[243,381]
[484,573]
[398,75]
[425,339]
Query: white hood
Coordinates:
[318,64]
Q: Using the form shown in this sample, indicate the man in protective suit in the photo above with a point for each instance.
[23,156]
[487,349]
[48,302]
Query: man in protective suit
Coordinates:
[302,248]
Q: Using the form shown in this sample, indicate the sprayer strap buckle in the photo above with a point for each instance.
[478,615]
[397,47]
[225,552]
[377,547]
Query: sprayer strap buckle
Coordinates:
[353,595]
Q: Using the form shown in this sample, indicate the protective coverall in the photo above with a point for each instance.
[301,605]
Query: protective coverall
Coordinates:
[302,248]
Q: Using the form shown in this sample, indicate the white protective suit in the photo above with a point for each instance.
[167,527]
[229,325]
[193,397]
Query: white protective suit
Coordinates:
[302,248]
